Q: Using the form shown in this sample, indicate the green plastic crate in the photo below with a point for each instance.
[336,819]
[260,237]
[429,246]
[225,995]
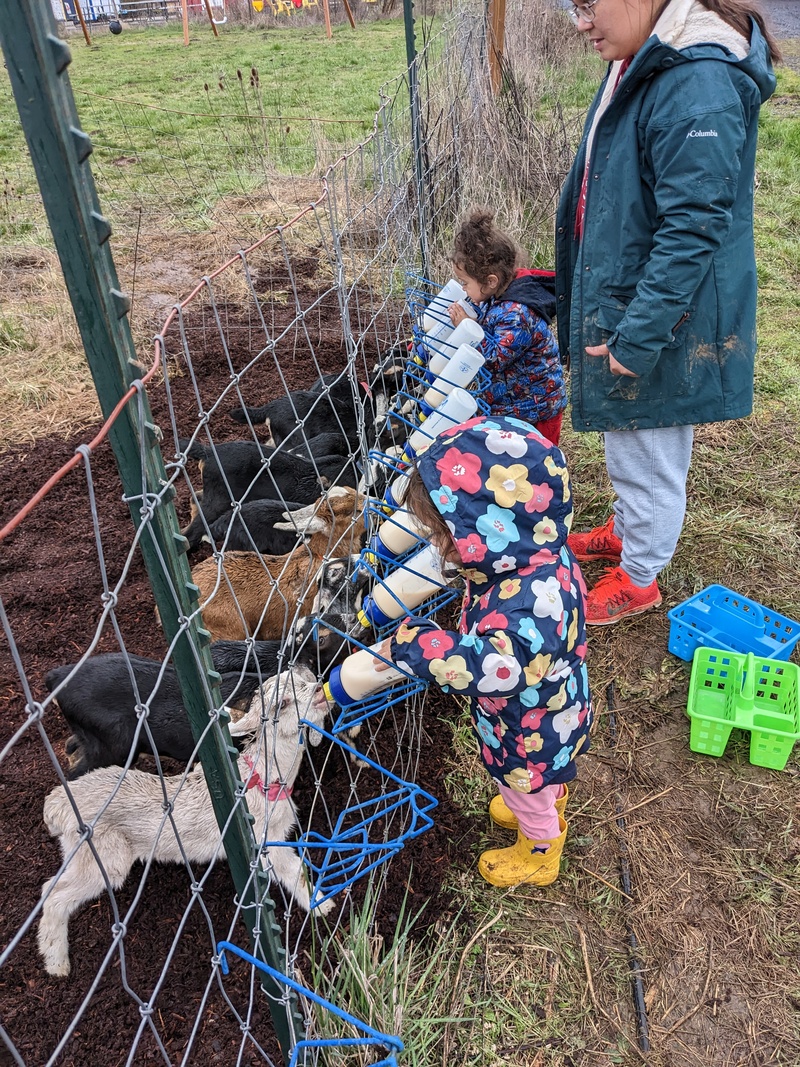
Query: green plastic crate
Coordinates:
[729,691]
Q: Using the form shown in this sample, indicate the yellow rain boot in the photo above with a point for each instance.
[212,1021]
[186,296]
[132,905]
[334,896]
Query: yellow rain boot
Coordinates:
[522,863]
[502,815]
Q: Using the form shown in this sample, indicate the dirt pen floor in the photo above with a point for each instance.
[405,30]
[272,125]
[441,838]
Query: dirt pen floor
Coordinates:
[51,592]
[713,843]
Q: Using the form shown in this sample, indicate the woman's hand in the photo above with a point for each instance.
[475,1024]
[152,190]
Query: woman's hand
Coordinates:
[457,313]
[613,364]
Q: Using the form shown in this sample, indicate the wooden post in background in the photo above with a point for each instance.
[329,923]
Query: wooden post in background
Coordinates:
[185,16]
[327,11]
[497,37]
[211,18]
[82,20]
[349,13]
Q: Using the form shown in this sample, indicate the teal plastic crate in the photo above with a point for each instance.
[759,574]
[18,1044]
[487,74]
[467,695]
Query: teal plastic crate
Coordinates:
[730,691]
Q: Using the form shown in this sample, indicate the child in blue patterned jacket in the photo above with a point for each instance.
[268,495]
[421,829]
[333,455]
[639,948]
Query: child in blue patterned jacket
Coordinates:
[516,307]
[496,497]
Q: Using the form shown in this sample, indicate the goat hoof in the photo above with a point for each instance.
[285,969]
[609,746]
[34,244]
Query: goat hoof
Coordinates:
[58,970]
[325,908]
[71,745]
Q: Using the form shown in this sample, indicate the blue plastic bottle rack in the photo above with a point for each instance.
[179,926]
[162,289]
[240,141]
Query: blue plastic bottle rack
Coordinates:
[347,854]
[300,1057]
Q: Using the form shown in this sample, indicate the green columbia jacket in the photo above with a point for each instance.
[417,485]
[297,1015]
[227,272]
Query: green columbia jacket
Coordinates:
[665,273]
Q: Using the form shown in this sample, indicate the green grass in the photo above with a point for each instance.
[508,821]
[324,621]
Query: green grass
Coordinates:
[188,126]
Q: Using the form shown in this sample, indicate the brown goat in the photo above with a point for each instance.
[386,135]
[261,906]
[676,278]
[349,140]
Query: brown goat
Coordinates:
[247,594]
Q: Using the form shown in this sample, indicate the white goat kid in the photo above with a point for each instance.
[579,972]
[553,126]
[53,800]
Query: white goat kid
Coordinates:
[129,822]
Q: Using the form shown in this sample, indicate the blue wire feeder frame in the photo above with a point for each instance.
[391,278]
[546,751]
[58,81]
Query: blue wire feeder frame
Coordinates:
[393,464]
[348,853]
[300,1053]
[359,712]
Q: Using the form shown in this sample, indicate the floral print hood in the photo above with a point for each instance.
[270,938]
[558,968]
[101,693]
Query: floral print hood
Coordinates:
[517,656]
[503,491]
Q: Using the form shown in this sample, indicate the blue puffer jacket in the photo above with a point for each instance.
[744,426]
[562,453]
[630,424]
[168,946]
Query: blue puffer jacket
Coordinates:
[665,273]
[518,655]
[521,353]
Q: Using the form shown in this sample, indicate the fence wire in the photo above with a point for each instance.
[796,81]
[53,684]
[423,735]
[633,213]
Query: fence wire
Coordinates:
[322,303]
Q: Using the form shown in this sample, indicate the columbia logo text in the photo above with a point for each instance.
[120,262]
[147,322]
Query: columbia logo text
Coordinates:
[702,133]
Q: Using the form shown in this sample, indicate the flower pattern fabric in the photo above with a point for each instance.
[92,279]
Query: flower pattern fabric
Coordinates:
[518,655]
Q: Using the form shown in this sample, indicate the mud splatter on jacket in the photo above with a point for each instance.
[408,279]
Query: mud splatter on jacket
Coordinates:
[521,352]
[518,655]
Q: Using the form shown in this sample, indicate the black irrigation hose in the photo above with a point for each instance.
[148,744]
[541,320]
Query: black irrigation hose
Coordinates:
[625,877]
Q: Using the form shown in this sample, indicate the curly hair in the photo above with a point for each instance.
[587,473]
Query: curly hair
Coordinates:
[481,249]
[417,501]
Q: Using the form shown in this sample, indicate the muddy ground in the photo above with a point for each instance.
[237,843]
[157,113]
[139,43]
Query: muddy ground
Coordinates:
[51,591]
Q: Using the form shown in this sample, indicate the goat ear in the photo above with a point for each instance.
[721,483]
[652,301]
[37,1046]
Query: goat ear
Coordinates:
[314,525]
[301,515]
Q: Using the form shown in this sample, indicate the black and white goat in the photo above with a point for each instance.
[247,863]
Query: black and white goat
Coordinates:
[129,822]
[99,698]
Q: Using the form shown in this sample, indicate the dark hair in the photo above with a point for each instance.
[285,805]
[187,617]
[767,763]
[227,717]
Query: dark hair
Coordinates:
[737,13]
[480,249]
[418,501]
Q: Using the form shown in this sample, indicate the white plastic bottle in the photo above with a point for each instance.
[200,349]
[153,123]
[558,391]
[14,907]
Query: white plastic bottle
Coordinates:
[395,493]
[404,589]
[457,407]
[358,677]
[460,370]
[436,311]
[397,535]
[467,332]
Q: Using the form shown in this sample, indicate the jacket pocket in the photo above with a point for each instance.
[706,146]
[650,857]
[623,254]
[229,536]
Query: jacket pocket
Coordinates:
[668,378]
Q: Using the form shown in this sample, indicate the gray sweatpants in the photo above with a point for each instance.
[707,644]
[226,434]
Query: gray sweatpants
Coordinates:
[648,470]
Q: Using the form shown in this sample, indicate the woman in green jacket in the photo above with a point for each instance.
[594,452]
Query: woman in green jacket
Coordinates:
[656,277]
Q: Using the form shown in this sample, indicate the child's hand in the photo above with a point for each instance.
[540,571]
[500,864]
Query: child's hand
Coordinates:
[385,650]
[457,314]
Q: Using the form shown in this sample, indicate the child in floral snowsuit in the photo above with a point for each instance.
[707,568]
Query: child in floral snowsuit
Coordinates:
[515,308]
[496,497]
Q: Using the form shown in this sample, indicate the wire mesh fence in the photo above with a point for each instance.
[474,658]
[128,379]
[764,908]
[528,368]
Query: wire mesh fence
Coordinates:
[282,392]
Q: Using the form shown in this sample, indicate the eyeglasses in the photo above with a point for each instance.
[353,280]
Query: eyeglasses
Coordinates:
[583,12]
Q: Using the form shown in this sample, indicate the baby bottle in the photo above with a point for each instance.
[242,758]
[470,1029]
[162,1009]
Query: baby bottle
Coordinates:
[467,332]
[404,589]
[396,535]
[358,678]
[394,493]
[443,330]
[457,407]
[459,371]
[436,311]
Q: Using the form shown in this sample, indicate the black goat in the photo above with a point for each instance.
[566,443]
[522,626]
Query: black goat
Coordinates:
[239,471]
[99,700]
[319,411]
[99,704]
[253,528]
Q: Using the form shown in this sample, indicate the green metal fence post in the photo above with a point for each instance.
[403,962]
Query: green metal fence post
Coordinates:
[417,132]
[37,61]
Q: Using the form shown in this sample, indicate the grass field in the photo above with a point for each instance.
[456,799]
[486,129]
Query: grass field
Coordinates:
[531,978]
[197,152]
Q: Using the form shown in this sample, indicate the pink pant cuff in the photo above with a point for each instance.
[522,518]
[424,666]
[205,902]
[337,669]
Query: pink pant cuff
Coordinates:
[535,812]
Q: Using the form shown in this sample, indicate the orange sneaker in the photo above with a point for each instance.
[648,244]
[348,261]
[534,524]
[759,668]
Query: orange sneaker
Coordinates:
[615,597]
[599,543]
